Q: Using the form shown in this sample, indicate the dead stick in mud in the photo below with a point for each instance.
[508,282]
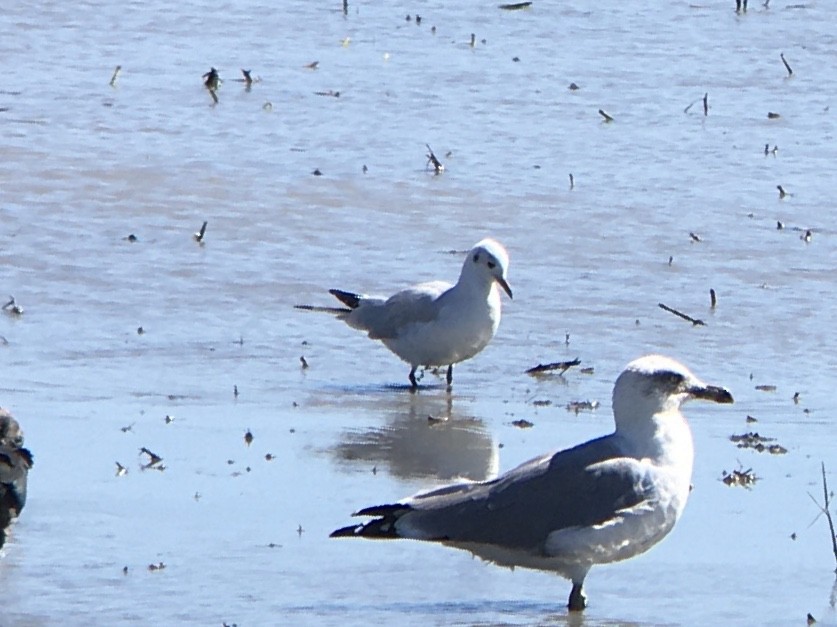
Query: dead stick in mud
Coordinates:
[563,366]
[694,321]
[787,65]
[438,167]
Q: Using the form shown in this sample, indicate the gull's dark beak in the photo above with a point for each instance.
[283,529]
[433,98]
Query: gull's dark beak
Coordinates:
[505,286]
[712,393]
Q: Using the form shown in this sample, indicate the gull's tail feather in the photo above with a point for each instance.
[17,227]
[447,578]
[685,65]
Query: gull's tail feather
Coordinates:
[331,310]
[349,299]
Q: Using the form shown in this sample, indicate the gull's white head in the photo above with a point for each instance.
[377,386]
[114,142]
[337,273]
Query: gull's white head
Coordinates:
[655,384]
[488,259]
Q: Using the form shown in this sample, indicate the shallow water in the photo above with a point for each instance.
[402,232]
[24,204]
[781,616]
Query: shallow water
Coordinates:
[84,165]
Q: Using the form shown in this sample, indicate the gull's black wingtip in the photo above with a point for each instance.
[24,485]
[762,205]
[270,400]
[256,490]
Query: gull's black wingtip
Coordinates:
[347,298]
[382,527]
[345,532]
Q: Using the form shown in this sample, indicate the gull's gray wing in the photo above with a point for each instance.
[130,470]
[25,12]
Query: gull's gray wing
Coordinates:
[385,319]
[578,487]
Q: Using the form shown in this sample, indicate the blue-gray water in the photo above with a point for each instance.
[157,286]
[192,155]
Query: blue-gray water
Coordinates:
[85,164]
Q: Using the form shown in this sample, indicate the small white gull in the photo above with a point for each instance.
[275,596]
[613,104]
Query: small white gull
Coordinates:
[435,323]
[602,501]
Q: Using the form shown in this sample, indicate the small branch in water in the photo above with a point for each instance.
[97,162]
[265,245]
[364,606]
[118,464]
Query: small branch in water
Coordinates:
[438,166]
[153,458]
[563,366]
[572,181]
[12,307]
[211,81]
[825,509]
[694,321]
[607,118]
[199,235]
[712,300]
[515,6]
[691,104]
[115,74]
[706,104]
[787,65]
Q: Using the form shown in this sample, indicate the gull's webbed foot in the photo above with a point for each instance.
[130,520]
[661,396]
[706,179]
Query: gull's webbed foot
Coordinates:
[578,600]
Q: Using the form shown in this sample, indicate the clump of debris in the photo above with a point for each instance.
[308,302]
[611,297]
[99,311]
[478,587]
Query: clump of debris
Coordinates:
[744,478]
[758,442]
[579,406]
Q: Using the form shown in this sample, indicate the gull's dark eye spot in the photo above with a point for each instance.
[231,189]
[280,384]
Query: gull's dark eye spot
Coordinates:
[476,257]
[672,379]
[491,265]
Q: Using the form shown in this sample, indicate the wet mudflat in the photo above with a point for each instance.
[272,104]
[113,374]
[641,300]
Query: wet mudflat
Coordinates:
[664,205]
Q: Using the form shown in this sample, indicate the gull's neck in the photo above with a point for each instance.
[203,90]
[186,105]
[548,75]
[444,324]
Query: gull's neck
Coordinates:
[473,282]
[660,434]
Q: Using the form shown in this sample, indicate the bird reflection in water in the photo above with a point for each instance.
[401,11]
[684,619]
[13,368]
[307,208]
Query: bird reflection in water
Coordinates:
[423,437]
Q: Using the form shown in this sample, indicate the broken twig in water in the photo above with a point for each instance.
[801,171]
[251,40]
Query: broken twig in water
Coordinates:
[607,118]
[825,509]
[115,74]
[198,237]
[712,299]
[515,6]
[787,65]
[12,307]
[679,314]
[691,104]
[211,81]
[563,366]
[438,166]
[706,104]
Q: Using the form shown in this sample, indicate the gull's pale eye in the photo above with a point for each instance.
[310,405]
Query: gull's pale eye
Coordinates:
[491,265]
